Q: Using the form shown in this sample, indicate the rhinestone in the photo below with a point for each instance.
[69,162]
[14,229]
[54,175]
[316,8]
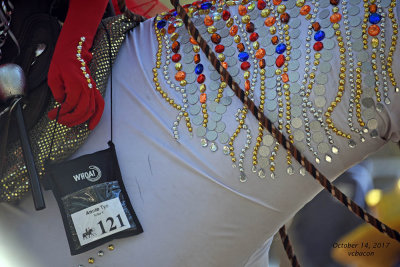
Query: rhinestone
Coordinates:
[352,143]
[254,169]
[379,107]
[261,174]
[242,177]
[328,158]
[225,150]
[203,142]
[111,247]
[374,134]
[302,171]
[213,147]
[335,150]
[91,260]
[100,253]
[272,175]
[317,160]
[290,170]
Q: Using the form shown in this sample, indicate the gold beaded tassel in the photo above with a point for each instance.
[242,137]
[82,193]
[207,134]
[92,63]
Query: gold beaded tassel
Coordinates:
[243,113]
[203,101]
[221,88]
[393,45]
[286,87]
[260,127]
[342,77]
[159,34]
[358,80]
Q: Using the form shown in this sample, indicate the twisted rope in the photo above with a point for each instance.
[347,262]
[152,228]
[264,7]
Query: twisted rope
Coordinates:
[335,192]
[288,247]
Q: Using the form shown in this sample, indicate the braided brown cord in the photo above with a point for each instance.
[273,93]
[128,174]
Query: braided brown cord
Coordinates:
[288,247]
[335,192]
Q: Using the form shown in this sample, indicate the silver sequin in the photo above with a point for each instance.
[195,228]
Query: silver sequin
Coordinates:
[201,131]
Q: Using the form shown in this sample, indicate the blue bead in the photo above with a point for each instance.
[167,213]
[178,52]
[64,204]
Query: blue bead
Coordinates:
[319,36]
[280,48]
[199,69]
[205,5]
[243,56]
[375,18]
[175,14]
[161,24]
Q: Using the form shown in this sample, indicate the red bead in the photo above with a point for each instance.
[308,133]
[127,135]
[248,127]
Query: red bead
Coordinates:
[250,27]
[253,37]
[201,78]
[318,46]
[196,3]
[245,65]
[334,2]
[226,15]
[261,4]
[280,60]
[176,58]
[285,17]
[219,48]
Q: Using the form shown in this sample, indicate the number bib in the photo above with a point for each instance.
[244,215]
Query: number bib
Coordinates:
[100,220]
[92,199]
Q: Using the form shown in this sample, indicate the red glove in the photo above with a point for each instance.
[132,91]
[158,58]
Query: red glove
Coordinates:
[80,100]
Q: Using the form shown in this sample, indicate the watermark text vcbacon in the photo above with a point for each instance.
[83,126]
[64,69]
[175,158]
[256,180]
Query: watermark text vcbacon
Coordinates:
[366,248]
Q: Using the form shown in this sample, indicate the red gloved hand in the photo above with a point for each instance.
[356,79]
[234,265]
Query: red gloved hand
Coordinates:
[69,77]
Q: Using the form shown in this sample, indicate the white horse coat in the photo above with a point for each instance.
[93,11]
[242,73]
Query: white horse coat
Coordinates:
[189,200]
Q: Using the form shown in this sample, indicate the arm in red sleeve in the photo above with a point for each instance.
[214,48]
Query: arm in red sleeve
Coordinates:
[69,77]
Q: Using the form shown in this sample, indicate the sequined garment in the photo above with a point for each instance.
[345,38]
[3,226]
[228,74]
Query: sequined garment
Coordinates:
[282,54]
[14,183]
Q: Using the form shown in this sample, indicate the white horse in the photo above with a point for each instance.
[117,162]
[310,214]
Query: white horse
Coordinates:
[191,202]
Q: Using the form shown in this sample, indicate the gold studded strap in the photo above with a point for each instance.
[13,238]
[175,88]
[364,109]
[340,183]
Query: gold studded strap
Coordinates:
[267,124]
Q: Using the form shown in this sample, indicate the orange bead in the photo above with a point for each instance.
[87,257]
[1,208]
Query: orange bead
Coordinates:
[260,53]
[203,98]
[373,8]
[336,17]
[193,41]
[285,78]
[242,10]
[240,47]
[247,85]
[196,58]
[269,21]
[171,29]
[233,30]
[180,75]
[277,2]
[225,65]
[208,21]
[261,63]
[304,10]
[374,30]
[274,40]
